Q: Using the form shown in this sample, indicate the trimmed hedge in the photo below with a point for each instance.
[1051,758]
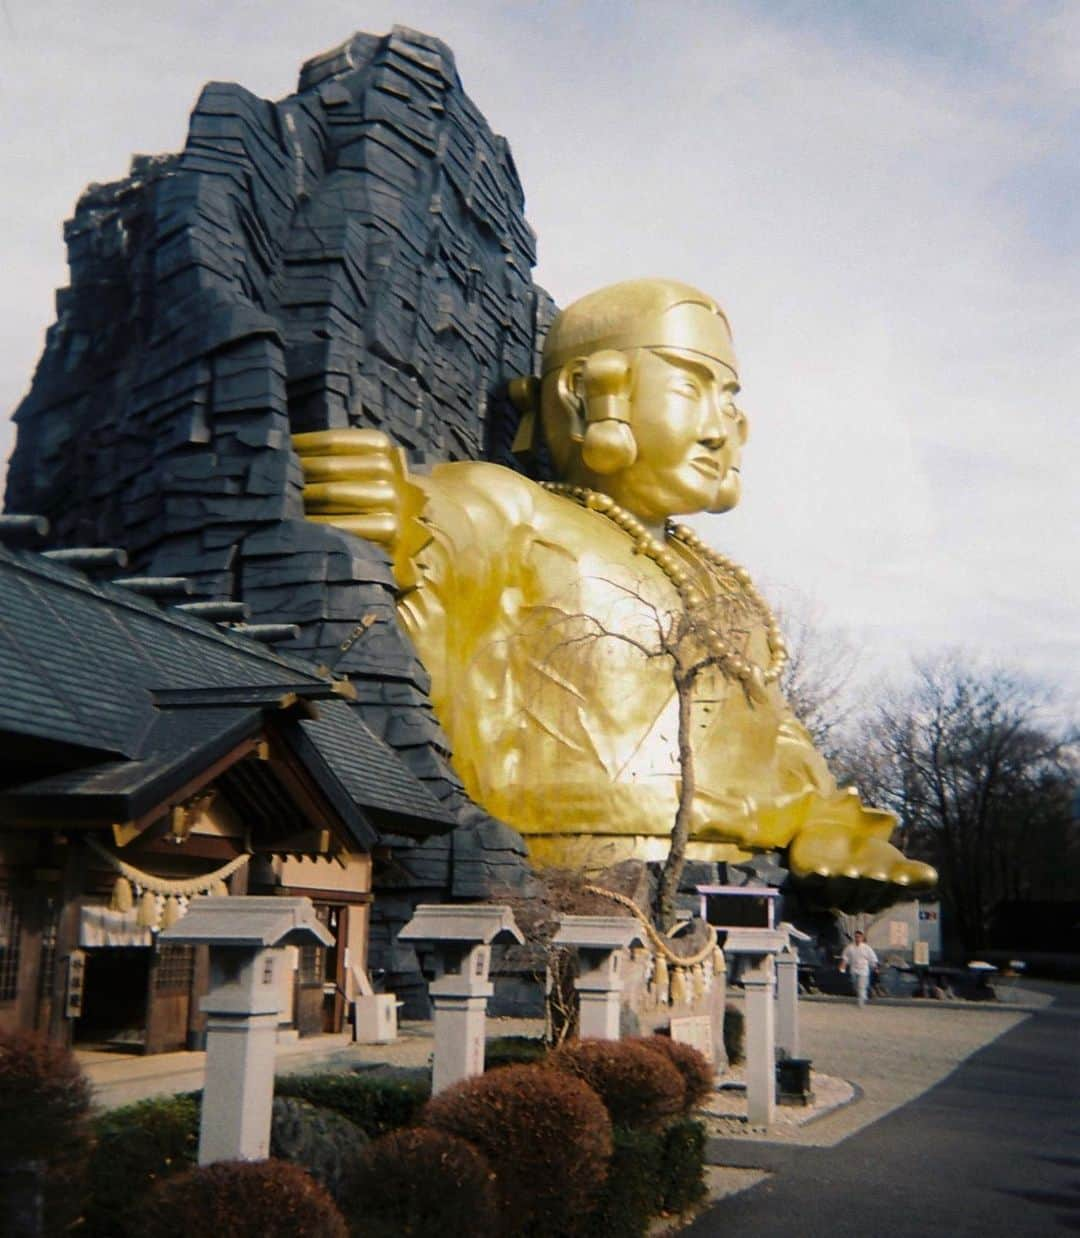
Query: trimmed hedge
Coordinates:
[634,1191]
[241,1199]
[324,1143]
[137,1146]
[639,1087]
[697,1073]
[545,1133]
[424,1183]
[683,1160]
[376,1104]
[513,1051]
[44,1103]
[651,1172]
[44,1100]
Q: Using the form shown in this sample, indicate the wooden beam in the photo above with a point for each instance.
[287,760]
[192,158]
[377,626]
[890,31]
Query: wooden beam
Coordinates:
[126,832]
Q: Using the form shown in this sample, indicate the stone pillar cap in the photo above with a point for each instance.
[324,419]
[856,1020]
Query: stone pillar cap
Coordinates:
[256,923]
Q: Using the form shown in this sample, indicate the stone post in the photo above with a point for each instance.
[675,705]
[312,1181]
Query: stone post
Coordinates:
[460,1001]
[787,1002]
[602,943]
[760,1043]
[461,936]
[245,936]
[238,1092]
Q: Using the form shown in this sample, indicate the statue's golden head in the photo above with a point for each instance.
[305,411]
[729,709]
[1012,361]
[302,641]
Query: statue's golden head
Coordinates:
[637,399]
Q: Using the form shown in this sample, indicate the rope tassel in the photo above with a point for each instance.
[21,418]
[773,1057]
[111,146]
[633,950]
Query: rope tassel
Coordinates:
[148,910]
[123,897]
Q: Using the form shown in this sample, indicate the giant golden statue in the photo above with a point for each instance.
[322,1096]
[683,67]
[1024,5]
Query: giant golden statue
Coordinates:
[554,618]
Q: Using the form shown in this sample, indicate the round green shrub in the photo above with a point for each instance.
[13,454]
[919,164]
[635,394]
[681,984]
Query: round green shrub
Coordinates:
[734,1034]
[639,1087]
[321,1141]
[697,1073]
[44,1100]
[425,1183]
[241,1199]
[135,1147]
[545,1133]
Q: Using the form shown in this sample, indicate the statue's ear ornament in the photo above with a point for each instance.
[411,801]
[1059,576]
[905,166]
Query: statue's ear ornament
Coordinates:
[609,444]
[524,394]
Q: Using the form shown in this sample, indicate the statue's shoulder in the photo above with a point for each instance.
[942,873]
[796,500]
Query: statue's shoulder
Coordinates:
[488,492]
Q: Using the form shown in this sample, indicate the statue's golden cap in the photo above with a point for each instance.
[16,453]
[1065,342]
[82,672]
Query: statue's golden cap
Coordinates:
[640,313]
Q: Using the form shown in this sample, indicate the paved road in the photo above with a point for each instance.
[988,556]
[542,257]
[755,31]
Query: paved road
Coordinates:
[994,1149]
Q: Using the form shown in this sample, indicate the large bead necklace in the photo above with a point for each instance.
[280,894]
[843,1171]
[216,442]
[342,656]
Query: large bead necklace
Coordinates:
[725,574]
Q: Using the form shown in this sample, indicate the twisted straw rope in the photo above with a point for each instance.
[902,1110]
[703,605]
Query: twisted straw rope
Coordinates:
[162,885]
[658,943]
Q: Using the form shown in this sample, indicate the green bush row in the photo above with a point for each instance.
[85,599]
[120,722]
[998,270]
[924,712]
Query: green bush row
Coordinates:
[376,1103]
[528,1150]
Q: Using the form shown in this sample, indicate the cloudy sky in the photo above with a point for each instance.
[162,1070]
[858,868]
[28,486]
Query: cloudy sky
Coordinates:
[885,195]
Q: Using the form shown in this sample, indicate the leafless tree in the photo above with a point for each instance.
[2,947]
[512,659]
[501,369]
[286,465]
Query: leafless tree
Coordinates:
[692,640]
[817,680]
[984,780]
[555,892]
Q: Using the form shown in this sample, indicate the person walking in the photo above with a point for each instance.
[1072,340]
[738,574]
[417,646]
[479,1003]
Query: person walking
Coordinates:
[861,959]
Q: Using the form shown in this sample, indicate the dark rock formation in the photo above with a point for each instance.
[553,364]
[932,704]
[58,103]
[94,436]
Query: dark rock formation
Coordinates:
[353,255]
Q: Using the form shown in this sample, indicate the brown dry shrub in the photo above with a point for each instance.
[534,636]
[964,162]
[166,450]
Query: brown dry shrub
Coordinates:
[44,1099]
[243,1199]
[640,1088]
[545,1133]
[425,1183]
[697,1073]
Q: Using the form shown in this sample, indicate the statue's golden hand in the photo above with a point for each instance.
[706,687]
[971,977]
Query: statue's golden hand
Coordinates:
[354,480]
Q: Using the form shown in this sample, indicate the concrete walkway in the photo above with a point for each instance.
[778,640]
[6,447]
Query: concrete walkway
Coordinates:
[991,1148]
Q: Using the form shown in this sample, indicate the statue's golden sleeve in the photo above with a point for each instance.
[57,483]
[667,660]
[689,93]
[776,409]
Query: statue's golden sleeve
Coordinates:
[801,766]
[477,577]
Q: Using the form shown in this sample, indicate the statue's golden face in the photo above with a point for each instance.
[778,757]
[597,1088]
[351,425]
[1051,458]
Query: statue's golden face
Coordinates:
[689,436]
[638,399]
[687,430]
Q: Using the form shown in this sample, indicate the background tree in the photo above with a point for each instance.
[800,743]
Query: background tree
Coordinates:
[817,679]
[984,780]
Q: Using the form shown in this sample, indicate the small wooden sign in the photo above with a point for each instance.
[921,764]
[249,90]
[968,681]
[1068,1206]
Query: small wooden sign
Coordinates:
[694,1030]
[76,974]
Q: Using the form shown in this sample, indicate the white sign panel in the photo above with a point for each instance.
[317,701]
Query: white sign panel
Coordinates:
[694,1030]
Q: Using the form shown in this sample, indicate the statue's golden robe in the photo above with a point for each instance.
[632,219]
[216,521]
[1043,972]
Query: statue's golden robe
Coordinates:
[539,626]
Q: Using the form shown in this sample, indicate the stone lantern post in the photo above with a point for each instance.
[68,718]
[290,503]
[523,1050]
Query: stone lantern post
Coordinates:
[461,936]
[246,937]
[759,946]
[602,943]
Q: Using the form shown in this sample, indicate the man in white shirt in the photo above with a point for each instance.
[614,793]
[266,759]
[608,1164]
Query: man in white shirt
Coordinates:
[862,960]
